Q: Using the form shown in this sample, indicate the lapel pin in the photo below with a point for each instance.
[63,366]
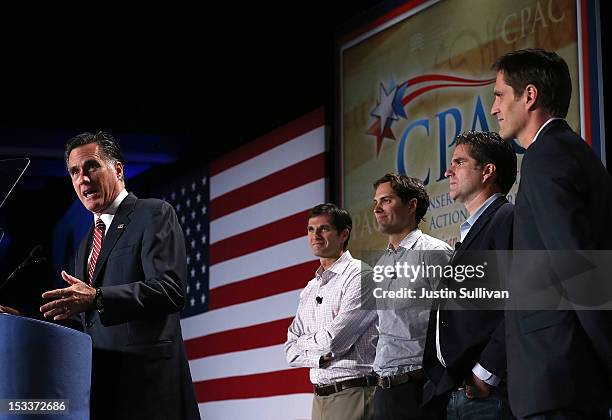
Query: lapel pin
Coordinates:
[121,226]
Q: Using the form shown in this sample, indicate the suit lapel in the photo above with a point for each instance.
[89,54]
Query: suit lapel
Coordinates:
[482,221]
[80,267]
[114,232]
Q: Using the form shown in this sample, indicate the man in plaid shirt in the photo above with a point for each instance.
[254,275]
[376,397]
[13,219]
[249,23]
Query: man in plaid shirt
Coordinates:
[331,334]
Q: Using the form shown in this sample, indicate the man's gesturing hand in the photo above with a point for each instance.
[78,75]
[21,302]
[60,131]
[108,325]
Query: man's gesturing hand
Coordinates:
[78,297]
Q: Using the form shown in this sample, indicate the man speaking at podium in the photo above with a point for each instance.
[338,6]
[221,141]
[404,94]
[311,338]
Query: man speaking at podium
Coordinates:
[127,291]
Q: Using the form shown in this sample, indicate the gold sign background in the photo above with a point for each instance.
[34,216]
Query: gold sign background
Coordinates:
[454,37]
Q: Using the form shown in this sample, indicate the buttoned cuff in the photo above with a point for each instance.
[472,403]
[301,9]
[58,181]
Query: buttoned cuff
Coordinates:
[485,376]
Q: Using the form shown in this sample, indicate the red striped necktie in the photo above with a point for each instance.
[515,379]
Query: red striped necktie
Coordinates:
[97,246]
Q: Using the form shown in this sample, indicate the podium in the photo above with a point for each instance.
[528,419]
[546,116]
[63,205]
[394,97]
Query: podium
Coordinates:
[40,360]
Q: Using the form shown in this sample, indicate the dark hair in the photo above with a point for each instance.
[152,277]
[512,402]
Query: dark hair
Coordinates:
[488,147]
[340,218]
[545,70]
[408,188]
[107,143]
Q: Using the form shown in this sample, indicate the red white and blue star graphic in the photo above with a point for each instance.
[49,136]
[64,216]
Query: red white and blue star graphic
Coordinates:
[391,102]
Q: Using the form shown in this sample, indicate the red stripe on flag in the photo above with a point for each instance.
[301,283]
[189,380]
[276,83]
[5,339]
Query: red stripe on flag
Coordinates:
[266,285]
[238,339]
[279,182]
[279,136]
[282,382]
[274,233]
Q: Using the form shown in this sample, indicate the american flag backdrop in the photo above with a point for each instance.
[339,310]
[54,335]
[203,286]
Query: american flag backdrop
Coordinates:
[248,259]
[189,197]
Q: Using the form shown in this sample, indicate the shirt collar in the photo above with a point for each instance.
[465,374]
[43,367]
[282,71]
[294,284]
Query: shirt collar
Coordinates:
[469,222]
[408,241]
[336,268]
[544,125]
[109,212]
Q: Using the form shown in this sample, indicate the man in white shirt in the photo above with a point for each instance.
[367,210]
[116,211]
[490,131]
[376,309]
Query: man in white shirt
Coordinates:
[400,204]
[331,333]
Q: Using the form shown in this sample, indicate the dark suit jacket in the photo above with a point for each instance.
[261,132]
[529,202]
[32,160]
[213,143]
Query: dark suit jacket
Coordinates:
[140,369]
[559,358]
[470,336]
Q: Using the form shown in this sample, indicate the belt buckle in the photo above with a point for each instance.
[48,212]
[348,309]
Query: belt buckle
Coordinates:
[384,382]
[320,390]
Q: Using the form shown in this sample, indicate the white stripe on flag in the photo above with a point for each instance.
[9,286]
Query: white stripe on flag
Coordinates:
[294,151]
[260,360]
[276,257]
[285,407]
[268,211]
[255,312]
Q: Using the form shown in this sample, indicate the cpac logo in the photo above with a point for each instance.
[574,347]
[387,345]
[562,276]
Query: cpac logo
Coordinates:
[391,106]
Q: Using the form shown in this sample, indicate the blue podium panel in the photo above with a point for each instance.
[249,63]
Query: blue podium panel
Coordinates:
[40,360]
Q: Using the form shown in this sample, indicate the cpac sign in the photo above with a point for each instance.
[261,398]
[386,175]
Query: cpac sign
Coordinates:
[391,106]
[478,122]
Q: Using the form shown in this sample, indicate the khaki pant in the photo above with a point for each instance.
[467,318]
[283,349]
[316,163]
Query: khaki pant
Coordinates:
[351,404]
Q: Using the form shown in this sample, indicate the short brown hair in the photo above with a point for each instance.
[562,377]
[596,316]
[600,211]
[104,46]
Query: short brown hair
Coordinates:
[339,217]
[488,147]
[545,70]
[408,188]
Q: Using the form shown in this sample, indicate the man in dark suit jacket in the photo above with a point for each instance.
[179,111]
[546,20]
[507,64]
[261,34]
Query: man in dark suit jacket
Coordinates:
[128,290]
[559,361]
[465,357]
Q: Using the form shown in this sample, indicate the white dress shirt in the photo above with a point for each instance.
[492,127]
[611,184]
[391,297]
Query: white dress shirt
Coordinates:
[331,322]
[108,215]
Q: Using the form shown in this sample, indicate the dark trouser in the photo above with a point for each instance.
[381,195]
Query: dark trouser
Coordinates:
[584,413]
[404,402]
[493,407]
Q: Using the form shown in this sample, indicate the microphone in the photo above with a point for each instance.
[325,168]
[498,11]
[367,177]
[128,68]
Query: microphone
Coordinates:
[319,300]
[35,257]
[457,245]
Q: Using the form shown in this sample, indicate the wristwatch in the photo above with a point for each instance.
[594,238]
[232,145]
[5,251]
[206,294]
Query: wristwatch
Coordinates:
[98,303]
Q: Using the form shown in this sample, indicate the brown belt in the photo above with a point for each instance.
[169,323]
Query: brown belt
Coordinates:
[325,390]
[395,380]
